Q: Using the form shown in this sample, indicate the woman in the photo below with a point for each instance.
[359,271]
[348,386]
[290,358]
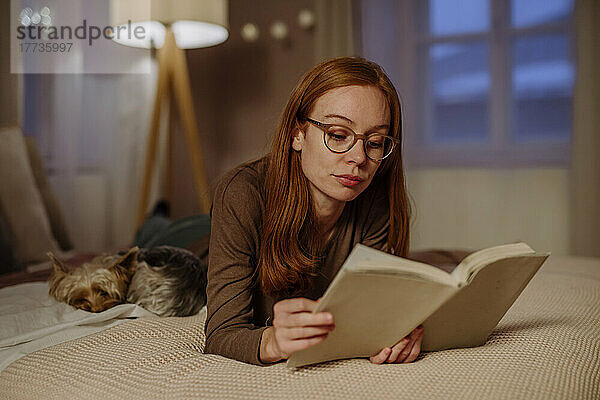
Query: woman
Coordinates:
[283,225]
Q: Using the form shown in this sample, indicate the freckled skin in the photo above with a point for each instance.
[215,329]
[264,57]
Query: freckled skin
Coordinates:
[367,107]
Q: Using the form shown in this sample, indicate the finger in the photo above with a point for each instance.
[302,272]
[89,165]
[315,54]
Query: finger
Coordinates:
[306,331]
[294,305]
[396,349]
[414,335]
[414,353]
[305,319]
[301,344]
[381,357]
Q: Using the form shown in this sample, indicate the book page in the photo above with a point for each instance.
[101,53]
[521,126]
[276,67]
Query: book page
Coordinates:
[466,270]
[366,259]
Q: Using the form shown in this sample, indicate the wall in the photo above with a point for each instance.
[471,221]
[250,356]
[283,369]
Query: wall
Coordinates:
[476,208]
[240,90]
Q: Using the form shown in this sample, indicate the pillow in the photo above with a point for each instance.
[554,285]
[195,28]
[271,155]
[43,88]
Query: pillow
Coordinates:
[55,216]
[22,202]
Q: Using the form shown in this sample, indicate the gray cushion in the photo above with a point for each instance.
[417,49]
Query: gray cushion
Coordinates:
[22,202]
[55,216]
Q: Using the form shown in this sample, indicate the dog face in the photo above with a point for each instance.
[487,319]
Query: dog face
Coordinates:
[95,286]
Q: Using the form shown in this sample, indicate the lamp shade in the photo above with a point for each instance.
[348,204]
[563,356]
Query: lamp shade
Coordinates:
[195,23]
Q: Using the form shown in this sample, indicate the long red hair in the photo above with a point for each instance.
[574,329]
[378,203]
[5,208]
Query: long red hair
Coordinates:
[290,243]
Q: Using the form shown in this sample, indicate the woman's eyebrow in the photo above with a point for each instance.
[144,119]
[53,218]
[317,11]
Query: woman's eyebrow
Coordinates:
[373,128]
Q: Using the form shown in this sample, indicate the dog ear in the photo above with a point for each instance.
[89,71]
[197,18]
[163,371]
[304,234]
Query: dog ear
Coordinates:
[129,260]
[59,267]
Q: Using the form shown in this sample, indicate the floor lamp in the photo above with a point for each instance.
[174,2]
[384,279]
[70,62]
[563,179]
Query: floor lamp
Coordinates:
[171,27]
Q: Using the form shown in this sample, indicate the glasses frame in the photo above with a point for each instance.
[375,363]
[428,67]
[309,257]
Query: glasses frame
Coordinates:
[357,136]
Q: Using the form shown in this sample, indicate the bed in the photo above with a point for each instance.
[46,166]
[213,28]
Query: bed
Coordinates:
[546,347]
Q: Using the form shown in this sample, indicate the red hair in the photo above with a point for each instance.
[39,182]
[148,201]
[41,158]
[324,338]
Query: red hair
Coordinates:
[290,244]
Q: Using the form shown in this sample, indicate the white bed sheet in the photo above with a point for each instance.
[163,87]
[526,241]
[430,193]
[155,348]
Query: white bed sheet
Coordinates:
[31,320]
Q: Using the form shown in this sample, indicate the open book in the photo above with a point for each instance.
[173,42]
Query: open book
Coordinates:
[377,299]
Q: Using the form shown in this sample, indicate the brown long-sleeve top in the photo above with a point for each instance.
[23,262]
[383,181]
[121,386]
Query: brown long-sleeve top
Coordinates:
[237,310]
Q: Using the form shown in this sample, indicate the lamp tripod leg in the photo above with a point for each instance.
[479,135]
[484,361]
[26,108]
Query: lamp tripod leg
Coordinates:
[162,91]
[183,94]
[173,84]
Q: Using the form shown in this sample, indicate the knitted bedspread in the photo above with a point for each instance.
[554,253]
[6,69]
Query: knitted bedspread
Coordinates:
[546,347]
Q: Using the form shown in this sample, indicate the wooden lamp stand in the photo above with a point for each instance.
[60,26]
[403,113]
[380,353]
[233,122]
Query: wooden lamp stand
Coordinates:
[174,87]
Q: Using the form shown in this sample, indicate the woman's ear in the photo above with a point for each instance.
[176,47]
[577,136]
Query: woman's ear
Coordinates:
[298,139]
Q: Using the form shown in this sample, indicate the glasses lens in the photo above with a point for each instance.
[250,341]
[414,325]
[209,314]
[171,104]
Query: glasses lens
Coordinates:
[338,138]
[379,147]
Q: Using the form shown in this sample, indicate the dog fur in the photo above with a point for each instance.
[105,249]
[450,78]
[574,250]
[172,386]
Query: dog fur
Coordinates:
[165,280]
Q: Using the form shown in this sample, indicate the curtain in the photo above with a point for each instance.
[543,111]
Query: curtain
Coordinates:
[91,129]
[92,132]
[337,32]
[585,168]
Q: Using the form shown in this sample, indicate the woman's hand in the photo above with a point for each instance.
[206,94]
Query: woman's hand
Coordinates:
[294,328]
[405,351]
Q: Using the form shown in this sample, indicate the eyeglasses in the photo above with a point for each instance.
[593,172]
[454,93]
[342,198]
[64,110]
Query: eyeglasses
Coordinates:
[340,139]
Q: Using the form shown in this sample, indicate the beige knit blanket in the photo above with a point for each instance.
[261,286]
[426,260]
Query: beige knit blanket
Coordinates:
[546,347]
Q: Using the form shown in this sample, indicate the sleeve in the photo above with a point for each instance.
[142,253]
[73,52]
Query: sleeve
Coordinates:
[234,242]
[377,219]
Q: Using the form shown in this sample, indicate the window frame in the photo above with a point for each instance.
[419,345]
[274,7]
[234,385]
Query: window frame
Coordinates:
[500,151]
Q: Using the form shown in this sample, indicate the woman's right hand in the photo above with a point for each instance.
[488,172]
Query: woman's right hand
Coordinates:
[294,328]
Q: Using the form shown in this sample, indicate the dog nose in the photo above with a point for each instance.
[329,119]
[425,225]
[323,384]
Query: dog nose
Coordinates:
[95,308]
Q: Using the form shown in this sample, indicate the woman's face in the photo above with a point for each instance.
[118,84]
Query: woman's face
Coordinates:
[342,177]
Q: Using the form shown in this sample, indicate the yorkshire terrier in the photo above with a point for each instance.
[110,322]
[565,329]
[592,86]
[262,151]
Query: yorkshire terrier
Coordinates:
[168,281]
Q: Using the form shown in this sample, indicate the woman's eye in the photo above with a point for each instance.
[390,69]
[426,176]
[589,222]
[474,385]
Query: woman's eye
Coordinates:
[375,145]
[340,135]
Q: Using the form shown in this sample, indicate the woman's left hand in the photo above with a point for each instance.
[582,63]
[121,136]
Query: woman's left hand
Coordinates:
[405,351]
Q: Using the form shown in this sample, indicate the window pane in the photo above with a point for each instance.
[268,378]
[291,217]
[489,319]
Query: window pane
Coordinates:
[460,86]
[542,84]
[534,12]
[458,16]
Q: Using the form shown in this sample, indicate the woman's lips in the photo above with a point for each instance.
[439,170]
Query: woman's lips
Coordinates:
[348,180]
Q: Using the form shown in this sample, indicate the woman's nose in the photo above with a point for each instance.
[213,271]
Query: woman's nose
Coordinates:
[357,153]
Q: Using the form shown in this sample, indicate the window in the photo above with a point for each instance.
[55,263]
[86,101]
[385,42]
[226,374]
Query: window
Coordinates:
[490,81]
